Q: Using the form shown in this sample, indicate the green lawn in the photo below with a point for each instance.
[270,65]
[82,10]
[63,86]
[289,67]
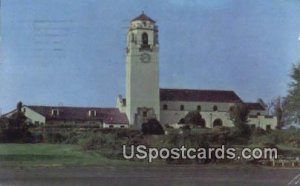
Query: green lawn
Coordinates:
[48,155]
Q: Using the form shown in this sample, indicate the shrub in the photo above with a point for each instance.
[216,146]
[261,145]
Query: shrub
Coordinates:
[258,131]
[195,119]
[152,127]
[15,128]
[98,141]
[54,137]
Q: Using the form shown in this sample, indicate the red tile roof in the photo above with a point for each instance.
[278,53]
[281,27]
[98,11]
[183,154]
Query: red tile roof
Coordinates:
[143,17]
[107,115]
[255,106]
[199,95]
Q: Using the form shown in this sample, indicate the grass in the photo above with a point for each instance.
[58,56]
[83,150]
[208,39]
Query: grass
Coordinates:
[50,155]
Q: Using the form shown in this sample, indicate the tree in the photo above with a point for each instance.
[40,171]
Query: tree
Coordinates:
[239,116]
[17,129]
[277,107]
[194,118]
[293,98]
[152,126]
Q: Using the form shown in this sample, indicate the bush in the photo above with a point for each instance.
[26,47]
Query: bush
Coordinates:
[258,131]
[289,137]
[54,138]
[98,141]
[195,119]
[152,127]
[15,129]
[63,136]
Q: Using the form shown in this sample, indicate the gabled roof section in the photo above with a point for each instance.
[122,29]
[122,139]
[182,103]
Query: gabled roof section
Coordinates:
[107,115]
[143,17]
[255,106]
[189,95]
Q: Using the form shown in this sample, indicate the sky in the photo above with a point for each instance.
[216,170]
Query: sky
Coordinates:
[72,53]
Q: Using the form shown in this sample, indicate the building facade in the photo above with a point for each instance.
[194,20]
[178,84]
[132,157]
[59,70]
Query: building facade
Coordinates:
[145,100]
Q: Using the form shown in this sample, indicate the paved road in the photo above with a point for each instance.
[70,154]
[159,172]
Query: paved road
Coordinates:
[148,176]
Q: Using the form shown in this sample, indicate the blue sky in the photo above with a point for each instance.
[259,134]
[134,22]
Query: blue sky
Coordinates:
[62,52]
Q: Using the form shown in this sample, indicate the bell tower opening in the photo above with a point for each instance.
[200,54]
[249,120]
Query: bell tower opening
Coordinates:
[145,43]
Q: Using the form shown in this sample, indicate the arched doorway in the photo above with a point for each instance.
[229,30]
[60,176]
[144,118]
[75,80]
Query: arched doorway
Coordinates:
[217,123]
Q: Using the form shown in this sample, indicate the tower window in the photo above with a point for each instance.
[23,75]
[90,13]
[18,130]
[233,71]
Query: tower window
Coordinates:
[132,37]
[215,108]
[165,107]
[145,39]
[145,114]
[181,107]
[199,107]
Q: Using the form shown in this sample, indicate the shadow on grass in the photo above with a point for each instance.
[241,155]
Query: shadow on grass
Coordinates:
[30,157]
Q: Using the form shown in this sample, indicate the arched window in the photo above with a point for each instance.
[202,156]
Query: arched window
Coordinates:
[145,39]
[199,107]
[132,37]
[165,107]
[217,123]
[181,107]
[215,108]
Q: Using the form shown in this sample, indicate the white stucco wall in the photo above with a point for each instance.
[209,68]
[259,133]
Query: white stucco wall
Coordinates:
[191,106]
[33,116]
[174,114]
[263,122]
[255,112]
[107,125]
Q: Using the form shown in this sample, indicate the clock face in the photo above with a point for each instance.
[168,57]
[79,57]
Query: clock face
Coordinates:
[145,58]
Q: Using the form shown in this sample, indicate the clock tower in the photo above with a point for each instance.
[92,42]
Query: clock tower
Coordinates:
[142,71]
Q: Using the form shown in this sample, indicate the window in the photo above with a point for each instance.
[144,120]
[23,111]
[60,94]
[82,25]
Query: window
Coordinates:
[258,114]
[165,107]
[181,107]
[215,108]
[55,112]
[199,108]
[231,108]
[111,126]
[93,113]
[252,126]
[268,127]
[145,39]
[122,126]
[145,114]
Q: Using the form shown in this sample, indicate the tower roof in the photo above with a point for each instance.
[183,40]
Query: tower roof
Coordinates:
[143,17]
